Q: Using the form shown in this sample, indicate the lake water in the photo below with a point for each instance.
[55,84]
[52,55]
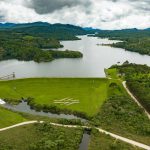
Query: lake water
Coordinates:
[96,58]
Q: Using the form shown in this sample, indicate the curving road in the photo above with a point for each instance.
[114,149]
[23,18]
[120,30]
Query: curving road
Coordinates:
[146,147]
[135,99]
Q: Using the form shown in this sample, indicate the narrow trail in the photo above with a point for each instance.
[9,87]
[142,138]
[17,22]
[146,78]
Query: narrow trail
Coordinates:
[17,125]
[146,147]
[132,96]
[135,99]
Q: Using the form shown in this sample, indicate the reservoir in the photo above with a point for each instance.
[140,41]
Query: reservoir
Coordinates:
[95,59]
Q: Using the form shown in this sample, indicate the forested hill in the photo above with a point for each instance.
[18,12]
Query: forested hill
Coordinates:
[45,30]
[125,33]
[27,41]
[132,39]
[23,41]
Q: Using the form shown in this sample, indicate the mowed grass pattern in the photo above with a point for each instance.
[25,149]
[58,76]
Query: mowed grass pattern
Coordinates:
[91,92]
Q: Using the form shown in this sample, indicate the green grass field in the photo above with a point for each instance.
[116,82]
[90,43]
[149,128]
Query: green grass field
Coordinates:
[8,118]
[77,94]
[111,73]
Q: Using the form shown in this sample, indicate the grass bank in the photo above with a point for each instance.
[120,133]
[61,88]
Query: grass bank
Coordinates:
[8,118]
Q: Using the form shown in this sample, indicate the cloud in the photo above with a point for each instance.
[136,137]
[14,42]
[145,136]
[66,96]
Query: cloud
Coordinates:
[104,14]
[49,6]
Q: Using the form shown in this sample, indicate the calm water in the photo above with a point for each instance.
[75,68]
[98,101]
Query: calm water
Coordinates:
[24,107]
[85,141]
[95,59]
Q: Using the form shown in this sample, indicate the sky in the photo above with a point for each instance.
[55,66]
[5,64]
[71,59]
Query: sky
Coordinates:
[102,14]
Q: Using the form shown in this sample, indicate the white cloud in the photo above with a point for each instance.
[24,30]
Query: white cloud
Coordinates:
[104,14]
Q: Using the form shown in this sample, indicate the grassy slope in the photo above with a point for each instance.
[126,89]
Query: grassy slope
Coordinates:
[8,118]
[111,73]
[91,92]
[21,138]
[99,141]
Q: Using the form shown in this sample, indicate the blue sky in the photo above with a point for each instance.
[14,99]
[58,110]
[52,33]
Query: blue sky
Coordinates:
[104,14]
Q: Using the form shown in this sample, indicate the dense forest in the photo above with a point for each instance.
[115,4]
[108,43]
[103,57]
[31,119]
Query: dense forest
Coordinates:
[140,45]
[26,42]
[138,81]
[131,39]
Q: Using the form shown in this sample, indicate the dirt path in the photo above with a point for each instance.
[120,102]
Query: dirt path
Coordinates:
[134,98]
[146,147]
[17,125]
[125,139]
